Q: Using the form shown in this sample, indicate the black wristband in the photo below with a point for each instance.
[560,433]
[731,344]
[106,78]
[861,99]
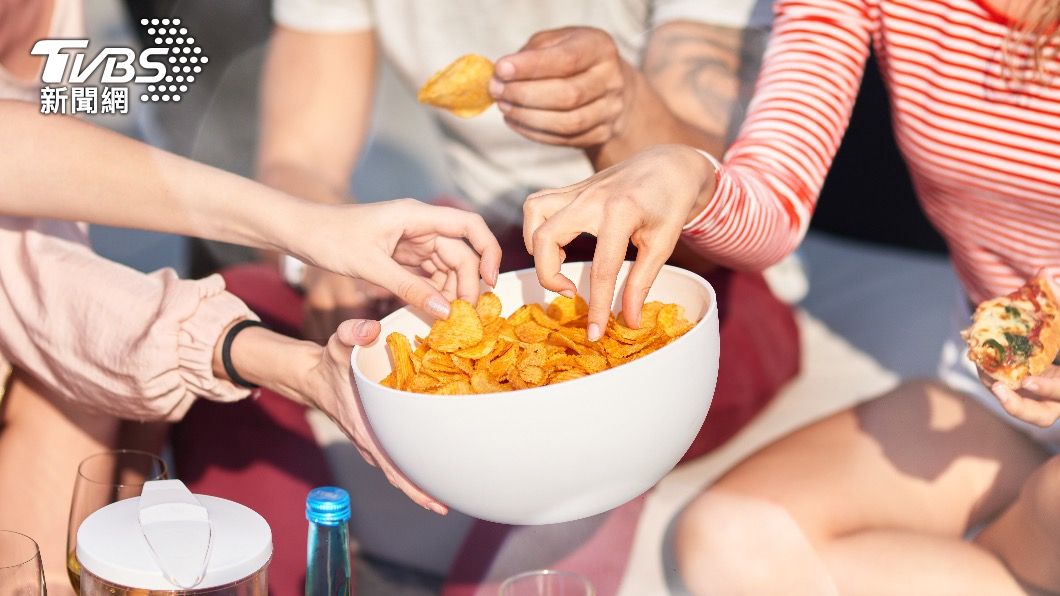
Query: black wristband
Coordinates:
[226,352]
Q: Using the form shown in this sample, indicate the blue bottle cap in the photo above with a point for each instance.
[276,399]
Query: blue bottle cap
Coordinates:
[327,505]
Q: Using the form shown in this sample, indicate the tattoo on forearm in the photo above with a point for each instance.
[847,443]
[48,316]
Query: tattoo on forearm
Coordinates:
[705,74]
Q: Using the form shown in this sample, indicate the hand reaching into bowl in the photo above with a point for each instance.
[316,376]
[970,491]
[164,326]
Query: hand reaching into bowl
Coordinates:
[645,200]
[425,255]
[319,376]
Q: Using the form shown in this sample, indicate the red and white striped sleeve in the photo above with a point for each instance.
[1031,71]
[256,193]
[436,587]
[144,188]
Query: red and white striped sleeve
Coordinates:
[770,178]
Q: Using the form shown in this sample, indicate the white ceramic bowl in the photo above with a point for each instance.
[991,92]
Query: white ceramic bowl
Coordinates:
[556,453]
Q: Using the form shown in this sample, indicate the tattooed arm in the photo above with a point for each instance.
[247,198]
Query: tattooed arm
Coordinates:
[694,84]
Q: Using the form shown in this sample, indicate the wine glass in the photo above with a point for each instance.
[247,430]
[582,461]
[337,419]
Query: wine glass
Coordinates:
[21,572]
[103,479]
[547,582]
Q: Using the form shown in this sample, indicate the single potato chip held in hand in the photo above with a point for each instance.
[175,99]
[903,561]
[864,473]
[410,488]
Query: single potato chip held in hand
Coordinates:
[476,350]
[462,87]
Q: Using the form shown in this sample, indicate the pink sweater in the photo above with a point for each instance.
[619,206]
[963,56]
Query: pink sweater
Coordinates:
[96,332]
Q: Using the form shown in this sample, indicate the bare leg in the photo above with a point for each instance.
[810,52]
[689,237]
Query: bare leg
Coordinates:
[40,447]
[1027,535]
[899,479]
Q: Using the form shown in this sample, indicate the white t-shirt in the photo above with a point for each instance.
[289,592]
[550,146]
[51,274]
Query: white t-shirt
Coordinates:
[490,164]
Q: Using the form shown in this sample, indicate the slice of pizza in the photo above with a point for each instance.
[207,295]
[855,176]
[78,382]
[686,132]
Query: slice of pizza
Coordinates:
[1017,335]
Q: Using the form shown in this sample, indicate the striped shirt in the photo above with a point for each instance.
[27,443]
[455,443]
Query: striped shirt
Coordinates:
[983,149]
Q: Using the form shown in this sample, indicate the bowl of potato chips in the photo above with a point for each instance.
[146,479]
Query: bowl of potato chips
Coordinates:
[505,411]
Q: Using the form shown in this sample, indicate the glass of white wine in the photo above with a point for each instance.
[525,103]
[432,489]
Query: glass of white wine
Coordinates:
[103,479]
[21,572]
[547,582]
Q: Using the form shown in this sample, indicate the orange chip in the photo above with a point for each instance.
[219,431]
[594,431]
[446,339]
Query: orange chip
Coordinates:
[538,315]
[422,383]
[401,352]
[481,349]
[462,87]
[565,309]
[566,375]
[488,307]
[499,368]
[627,335]
[532,375]
[592,363]
[520,316]
[672,321]
[464,364]
[461,387]
[482,382]
[390,381]
[531,332]
[462,329]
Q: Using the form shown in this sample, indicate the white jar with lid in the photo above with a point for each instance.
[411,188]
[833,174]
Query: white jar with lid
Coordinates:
[170,541]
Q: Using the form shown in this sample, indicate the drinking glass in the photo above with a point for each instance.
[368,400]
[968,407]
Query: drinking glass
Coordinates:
[21,573]
[547,582]
[103,479]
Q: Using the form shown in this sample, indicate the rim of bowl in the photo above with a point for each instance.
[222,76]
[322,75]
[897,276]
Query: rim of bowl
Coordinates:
[533,390]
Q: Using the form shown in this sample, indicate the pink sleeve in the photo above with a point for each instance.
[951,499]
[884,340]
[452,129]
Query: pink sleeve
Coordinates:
[99,333]
[769,180]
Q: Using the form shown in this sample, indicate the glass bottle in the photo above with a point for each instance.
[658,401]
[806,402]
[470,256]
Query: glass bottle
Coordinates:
[328,557]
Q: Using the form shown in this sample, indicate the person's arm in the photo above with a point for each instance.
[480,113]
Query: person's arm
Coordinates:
[571,87]
[317,89]
[316,99]
[747,213]
[319,377]
[52,171]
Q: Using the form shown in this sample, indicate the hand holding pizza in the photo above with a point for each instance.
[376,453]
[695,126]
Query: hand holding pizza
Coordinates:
[1033,397]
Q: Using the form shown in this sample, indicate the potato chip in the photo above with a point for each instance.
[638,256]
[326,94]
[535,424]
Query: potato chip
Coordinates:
[462,329]
[520,316]
[390,381]
[476,350]
[488,307]
[461,387]
[481,349]
[462,87]
[532,333]
[537,314]
[565,309]
[482,382]
[401,352]
[626,335]
[566,375]
[499,368]
[465,365]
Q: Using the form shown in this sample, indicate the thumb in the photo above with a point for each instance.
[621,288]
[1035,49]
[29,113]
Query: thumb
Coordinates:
[411,288]
[357,332]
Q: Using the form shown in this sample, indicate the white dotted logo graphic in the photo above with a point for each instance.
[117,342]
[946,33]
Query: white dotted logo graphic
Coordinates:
[184,62]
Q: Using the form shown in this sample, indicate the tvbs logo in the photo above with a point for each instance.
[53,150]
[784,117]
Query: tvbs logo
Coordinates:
[167,68]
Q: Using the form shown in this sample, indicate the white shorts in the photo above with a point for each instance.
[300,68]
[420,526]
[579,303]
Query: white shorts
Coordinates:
[957,371]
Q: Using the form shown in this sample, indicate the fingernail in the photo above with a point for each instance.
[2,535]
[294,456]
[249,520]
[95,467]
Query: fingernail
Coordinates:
[439,307]
[593,332]
[435,507]
[496,88]
[505,70]
[361,330]
[567,294]
[1031,386]
[504,106]
[496,273]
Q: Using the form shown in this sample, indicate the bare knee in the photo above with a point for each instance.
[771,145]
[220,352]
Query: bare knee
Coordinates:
[728,543]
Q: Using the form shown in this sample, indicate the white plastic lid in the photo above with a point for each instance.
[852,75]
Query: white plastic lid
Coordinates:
[170,539]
